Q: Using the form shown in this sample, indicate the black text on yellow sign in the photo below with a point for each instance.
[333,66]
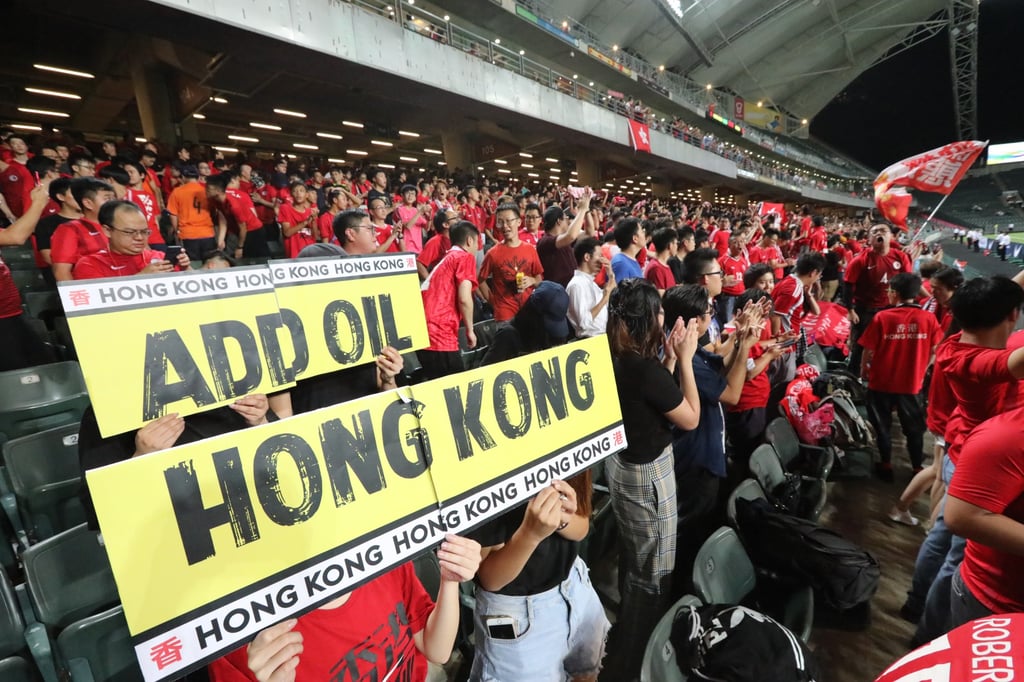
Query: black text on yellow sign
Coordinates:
[326,500]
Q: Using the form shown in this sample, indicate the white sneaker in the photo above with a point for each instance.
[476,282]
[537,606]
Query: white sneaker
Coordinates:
[904,517]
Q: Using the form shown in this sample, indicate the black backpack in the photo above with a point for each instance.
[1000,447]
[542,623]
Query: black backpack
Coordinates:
[737,644]
[800,552]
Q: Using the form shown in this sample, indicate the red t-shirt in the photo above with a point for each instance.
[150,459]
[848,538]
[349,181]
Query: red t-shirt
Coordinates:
[476,215]
[434,250]
[110,264]
[902,339]
[381,233]
[240,211]
[819,240]
[767,254]
[265,213]
[980,380]
[501,264]
[325,223]
[870,274]
[147,202]
[301,239]
[990,475]
[10,299]
[441,298]
[76,239]
[530,238]
[16,184]
[369,637]
[755,391]
[734,266]
[659,274]
[788,302]
[720,241]
[941,403]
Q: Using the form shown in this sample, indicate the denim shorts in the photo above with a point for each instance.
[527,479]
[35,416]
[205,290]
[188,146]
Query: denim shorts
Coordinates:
[560,632]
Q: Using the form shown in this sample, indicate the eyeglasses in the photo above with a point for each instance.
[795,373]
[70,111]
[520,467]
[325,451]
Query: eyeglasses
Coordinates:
[134,234]
[377,208]
[712,274]
[533,217]
[503,223]
[710,311]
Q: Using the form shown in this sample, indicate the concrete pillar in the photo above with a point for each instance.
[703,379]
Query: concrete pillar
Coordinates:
[153,98]
[458,153]
[588,172]
[661,189]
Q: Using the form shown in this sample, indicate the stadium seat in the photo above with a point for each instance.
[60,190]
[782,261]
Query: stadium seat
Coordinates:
[62,337]
[69,578]
[768,471]
[13,667]
[428,570]
[39,398]
[45,479]
[748,489]
[29,280]
[412,369]
[43,305]
[794,455]
[660,664]
[98,648]
[724,574]
[20,257]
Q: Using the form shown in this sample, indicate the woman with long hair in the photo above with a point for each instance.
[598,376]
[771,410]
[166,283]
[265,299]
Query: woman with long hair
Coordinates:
[641,477]
[537,615]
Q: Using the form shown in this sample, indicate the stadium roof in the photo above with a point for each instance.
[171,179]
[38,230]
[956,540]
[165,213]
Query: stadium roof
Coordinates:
[794,54]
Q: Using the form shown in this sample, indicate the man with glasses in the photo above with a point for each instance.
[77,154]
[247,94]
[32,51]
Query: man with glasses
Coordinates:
[511,269]
[866,284]
[390,238]
[82,165]
[127,253]
[438,245]
[530,232]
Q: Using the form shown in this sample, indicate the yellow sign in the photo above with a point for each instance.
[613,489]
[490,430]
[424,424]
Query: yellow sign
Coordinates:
[183,342]
[342,311]
[214,541]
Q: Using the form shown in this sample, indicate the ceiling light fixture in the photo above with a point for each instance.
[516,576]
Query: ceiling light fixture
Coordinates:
[243,138]
[410,159]
[53,93]
[356,152]
[428,150]
[198,116]
[265,126]
[408,133]
[44,112]
[352,124]
[289,112]
[381,143]
[332,160]
[525,155]
[66,72]
[503,162]
[233,150]
[329,136]
[311,147]
[25,126]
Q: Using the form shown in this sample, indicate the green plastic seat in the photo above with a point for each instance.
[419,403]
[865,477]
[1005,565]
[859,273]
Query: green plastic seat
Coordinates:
[46,479]
[784,440]
[660,664]
[40,398]
[428,570]
[69,577]
[748,489]
[13,667]
[767,469]
[98,648]
[44,305]
[29,280]
[724,574]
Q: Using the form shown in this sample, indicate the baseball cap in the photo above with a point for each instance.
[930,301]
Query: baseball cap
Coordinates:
[551,302]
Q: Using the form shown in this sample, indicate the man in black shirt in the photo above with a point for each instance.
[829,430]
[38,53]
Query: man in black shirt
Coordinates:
[60,193]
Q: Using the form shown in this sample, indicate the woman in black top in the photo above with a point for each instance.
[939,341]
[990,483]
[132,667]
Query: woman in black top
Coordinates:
[641,477]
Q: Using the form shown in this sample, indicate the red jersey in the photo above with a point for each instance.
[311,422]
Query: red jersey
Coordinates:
[941,403]
[476,215]
[239,210]
[110,264]
[301,239]
[734,266]
[990,475]
[325,223]
[382,233]
[75,240]
[902,339]
[766,255]
[147,202]
[981,382]
[530,238]
[265,213]
[659,274]
[788,302]
[16,184]
[10,299]
[755,391]
[818,240]
[501,264]
[870,274]
[441,299]
[720,241]
[369,637]
[434,250]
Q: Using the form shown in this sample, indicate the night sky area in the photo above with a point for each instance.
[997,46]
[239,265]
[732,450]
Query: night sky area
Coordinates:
[904,105]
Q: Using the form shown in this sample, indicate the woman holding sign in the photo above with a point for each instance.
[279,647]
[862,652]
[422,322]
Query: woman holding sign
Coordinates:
[641,477]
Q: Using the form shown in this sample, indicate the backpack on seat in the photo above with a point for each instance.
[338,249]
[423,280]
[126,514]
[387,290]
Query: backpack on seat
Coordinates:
[737,644]
[850,431]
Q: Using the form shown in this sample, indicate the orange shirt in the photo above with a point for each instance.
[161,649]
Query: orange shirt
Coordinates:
[188,203]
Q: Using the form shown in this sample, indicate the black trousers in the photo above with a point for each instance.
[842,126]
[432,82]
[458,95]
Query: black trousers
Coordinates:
[439,363]
[912,419]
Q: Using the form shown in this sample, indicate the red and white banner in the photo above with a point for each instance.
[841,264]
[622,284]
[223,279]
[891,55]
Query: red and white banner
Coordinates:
[830,328]
[639,136]
[990,648]
[738,108]
[938,170]
[768,209]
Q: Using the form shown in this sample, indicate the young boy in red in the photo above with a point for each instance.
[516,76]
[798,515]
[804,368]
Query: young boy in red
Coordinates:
[898,346]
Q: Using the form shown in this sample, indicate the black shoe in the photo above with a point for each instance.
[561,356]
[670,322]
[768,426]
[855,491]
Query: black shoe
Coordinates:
[910,615]
[883,470]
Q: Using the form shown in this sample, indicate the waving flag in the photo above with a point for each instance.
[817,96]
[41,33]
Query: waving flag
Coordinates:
[769,209]
[938,170]
[639,136]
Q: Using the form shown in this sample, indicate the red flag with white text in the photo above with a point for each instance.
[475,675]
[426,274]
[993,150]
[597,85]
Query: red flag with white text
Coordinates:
[768,209]
[639,136]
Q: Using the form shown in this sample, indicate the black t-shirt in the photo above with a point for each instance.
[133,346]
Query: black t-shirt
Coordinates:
[547,567]
[646,392]
[46,227]
[95,451]
[559,263]
[334,387]
[374,193]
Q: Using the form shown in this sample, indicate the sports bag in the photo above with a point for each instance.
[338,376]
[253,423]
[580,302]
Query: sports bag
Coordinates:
[801,552]
[737,644]
[849,429]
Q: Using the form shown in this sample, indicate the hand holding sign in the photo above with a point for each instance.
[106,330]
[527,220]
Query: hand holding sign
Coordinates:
[459,558]
[253,408]
[274,654]
[543,514]
[159,434]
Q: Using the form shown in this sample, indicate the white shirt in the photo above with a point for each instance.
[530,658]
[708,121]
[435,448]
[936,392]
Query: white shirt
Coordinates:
[584,294]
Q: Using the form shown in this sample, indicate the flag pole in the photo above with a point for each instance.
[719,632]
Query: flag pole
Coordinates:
[928,219]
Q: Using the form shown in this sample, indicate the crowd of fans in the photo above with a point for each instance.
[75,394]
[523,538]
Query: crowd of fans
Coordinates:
[702,305]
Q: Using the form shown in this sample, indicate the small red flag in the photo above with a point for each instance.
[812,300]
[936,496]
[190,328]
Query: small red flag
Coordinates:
[895,205]
[768,209]
[639,136]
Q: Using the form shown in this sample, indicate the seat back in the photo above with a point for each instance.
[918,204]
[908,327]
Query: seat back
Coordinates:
[17,669]
[104,643]
[69,577]
[722,572]
[44,305]
[428,570]
[748,489]
[41,397]
[783,439]
[46,479]
[660,664]
[815,357]
[766,467]
[485,330]
[28,279]
[12,628]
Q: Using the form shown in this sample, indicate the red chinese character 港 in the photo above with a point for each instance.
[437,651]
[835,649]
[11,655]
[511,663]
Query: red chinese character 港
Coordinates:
[617,437]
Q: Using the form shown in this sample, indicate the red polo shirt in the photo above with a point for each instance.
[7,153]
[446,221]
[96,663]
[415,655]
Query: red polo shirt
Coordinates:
[902,339]
[75,240]
[110,264]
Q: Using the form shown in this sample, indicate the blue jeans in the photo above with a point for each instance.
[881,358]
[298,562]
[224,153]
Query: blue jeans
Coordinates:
[935,620]
[932,554]
[964,606]
[560,632]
